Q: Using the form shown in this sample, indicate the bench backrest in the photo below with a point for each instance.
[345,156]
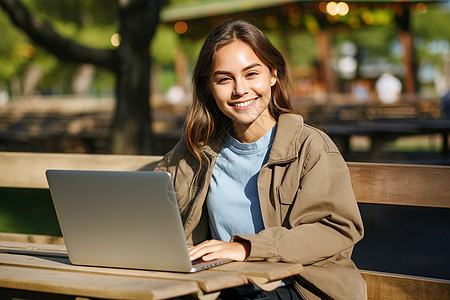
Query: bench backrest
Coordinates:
[27,170]
[395,184]
[401,184]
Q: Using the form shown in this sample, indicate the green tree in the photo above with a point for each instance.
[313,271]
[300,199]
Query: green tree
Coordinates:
[130,61]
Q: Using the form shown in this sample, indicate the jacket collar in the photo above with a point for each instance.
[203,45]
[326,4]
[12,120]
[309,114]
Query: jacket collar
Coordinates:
[285,146]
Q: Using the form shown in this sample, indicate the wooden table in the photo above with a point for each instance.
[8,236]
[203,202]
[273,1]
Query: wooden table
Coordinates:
[380,131]
[43,270]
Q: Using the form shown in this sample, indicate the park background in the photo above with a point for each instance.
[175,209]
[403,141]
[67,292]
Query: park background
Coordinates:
[52,100]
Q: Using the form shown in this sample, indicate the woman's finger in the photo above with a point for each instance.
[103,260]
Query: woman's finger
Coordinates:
[203,248]
[214,249]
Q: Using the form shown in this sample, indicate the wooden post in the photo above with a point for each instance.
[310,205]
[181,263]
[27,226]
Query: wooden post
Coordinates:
[181,67]
[406,39]
[323,43]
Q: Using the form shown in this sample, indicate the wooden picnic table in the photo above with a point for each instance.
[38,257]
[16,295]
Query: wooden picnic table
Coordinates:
[384,130]
[45,270]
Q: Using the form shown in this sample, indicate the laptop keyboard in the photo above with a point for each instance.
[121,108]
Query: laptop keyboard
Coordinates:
[197,261]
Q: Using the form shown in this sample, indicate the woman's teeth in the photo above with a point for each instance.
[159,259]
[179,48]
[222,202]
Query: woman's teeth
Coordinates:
[242,104]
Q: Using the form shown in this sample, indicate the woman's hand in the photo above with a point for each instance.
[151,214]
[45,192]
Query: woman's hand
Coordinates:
[214,249]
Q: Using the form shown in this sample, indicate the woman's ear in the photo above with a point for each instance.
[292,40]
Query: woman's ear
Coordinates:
[273,79]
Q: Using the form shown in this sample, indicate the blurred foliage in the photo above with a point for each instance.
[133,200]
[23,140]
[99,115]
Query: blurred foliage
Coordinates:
[166,78]
[78,12]
[432,25]
[191,48]
[374,39]
[164,44]
[291,29]
[304,43]
[14,49]
[433,34]
[90,23]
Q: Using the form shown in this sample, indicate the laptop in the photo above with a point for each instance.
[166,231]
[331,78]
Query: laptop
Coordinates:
[124,219]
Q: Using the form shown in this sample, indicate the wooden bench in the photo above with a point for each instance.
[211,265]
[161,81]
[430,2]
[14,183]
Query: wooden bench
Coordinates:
[374,183]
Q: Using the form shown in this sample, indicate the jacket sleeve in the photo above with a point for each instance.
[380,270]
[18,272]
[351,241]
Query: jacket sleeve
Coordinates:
[324,219]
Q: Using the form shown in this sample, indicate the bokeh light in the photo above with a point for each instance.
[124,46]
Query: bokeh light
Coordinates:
[323,6]
[334,8]
[115,40]
[180,27]
[421,8]
[342,8]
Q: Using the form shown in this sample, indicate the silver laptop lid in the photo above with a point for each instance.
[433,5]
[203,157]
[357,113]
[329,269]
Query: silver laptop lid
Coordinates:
[120,219]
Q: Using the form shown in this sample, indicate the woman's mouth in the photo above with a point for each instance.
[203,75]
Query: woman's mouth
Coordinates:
[244,104]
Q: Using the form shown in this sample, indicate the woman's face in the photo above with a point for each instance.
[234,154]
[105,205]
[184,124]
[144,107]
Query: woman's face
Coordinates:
[241,85]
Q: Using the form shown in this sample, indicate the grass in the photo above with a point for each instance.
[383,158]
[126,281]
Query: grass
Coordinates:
[430,143]
[27,211]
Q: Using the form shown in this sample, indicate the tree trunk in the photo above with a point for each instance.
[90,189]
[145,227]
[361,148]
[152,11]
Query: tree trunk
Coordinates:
[406,38]
[131,128]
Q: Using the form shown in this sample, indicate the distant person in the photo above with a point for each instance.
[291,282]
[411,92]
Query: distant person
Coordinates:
[175,95]
[254,182]
[4,97]
[361,90]
[388,88]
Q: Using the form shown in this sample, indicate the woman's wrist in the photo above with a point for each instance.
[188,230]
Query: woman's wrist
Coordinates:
[246,245]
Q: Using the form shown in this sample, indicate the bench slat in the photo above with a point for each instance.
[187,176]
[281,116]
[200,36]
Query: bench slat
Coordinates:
[401,184]
[376,183]
[31,238]
[27,170]
[403,287]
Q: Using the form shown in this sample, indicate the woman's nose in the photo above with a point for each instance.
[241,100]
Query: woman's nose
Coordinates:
[240,87]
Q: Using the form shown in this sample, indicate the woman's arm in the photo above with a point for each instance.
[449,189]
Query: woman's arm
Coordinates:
[325,218]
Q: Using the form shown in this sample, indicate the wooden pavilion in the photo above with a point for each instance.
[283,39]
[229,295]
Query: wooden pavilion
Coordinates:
[202,16]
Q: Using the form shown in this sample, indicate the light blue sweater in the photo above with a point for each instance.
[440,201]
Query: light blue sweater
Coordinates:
[233,201]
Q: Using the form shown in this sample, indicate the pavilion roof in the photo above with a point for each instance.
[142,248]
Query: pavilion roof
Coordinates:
[205,9]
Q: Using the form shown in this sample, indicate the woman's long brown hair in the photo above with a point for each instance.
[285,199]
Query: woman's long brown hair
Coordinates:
[204,120]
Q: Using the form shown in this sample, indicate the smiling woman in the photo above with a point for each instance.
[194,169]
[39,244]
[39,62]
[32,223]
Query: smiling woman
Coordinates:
[205,120]
[241,87]
[254,182]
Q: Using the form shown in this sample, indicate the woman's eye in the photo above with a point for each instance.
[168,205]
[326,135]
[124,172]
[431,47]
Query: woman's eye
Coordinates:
[250,74]
[223,80]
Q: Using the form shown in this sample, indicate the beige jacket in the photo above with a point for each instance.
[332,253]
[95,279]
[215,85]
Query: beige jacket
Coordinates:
[307,203]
